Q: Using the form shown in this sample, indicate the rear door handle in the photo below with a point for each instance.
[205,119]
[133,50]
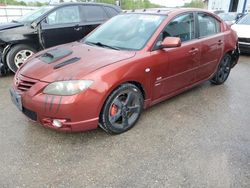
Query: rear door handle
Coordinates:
[193,51]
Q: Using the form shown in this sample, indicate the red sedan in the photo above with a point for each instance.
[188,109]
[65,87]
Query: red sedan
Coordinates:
[131,62]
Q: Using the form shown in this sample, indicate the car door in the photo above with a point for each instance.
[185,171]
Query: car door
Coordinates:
[61,26]
[177,66]
[94,15]
[212,44]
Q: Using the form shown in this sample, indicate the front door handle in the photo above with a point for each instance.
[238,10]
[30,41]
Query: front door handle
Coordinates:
[220,42]
[77,28]
[193,51]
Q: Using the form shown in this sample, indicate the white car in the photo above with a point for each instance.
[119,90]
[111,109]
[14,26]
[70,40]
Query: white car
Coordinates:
[242,27]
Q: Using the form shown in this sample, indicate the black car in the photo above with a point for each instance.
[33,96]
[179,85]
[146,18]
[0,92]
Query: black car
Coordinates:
[49,26]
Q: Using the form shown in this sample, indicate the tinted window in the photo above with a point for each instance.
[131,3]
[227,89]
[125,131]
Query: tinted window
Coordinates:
[182,26]
[94,13]
[111,11]
[69,14]
[208,25]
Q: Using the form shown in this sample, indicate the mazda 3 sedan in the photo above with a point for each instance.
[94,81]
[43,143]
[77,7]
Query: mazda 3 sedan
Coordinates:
[130,63]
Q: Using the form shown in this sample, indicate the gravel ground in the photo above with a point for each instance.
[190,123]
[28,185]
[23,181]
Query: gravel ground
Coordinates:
[200,138]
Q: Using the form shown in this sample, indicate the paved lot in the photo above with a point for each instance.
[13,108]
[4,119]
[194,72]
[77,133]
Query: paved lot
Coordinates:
[198,139]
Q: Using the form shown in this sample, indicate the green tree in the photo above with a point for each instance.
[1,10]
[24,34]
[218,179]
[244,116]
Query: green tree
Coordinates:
[21,3]
[129,4]
[195,4]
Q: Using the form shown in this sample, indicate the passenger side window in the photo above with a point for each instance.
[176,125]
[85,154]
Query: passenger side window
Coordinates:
[94,13]
[69,14]
[182,27]
[208,25]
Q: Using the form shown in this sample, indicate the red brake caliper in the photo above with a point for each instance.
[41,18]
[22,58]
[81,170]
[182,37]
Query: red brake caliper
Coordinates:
[113,110]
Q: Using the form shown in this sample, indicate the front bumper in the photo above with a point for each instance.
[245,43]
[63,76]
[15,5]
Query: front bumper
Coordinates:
[3,66]
[79,112]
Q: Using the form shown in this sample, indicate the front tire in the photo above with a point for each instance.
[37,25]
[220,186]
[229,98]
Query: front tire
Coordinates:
[122,109]
[17,55]
[223,71]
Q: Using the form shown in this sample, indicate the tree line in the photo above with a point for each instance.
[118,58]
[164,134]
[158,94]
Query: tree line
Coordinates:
[125,4]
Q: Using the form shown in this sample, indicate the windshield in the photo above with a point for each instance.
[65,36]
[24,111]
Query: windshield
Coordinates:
[33,15]
[126,31]
[244,20]
[227,16]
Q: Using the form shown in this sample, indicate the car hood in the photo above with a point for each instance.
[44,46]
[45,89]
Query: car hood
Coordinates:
[90,59]
[243,31]
[10,25]
[16,31]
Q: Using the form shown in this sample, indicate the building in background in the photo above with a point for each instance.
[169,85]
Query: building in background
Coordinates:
[240,6]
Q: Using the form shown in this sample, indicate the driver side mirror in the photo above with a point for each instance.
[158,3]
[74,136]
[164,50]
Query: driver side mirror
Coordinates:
[170,42]
[33,25]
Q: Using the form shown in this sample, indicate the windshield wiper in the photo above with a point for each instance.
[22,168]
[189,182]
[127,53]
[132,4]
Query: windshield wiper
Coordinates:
[15,21]
[103,45]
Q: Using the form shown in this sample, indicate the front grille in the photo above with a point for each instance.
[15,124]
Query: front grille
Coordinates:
[24,83]
[30,114]
[244,40]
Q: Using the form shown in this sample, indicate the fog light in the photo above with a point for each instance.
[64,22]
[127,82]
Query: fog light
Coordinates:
[58,123]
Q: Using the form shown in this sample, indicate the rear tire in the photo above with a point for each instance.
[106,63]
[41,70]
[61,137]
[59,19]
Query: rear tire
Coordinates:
[122,109]
[17,55]
[223,71]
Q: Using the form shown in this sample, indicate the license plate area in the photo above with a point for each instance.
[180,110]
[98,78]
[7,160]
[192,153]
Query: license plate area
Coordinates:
[16,99]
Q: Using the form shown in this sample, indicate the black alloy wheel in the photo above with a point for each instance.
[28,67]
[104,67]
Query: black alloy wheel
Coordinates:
[223,70]
[122,109]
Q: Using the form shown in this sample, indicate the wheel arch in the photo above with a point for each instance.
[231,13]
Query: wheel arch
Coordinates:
[234,55]
[15,43]
[138,84]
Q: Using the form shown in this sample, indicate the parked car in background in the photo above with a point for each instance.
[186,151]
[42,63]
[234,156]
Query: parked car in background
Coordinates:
[50,26]
[242,27]
[112,74]
[230,17]
[217,11]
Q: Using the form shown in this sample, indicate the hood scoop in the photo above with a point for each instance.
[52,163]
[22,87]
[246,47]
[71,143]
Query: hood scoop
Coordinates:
[67,62]
[55,54]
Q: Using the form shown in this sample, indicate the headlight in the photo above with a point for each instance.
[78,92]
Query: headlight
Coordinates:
[70,87]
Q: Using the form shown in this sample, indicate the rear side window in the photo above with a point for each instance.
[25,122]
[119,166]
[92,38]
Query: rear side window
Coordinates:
[208,25]
[182,27]
[111,11]
[64,15]
[94,13]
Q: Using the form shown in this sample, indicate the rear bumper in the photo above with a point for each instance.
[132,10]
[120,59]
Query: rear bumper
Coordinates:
[235,56]
[244,47]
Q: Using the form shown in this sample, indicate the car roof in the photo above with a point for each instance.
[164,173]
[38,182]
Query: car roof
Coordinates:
[165,11]
[86,3]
